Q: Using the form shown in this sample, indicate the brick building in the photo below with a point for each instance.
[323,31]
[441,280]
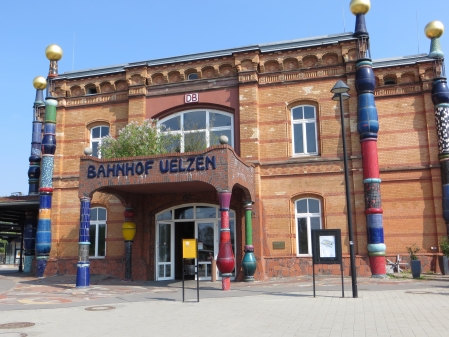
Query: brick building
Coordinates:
[284,158]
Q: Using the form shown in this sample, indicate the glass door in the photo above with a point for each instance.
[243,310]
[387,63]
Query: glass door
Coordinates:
[165,251]
[206,233]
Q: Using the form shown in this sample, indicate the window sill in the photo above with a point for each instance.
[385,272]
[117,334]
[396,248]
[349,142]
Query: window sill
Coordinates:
[97,257]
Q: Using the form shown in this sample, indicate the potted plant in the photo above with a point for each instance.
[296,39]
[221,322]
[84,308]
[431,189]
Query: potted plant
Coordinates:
[415,264]
[444,246]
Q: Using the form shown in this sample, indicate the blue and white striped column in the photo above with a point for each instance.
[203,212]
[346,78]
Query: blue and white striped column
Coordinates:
[83,266]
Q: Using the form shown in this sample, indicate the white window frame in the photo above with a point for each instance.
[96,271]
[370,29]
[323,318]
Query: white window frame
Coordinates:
[308,216]
[207,130]
[303,122]
[96,223]
[97,140]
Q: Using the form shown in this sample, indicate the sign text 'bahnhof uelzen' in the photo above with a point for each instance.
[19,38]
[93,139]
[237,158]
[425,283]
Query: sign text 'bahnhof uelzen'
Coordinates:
[175,165]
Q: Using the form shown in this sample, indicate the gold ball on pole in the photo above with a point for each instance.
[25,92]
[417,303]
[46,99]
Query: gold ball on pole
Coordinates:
[434,29]
[53,52]
[40,82]
[360,6]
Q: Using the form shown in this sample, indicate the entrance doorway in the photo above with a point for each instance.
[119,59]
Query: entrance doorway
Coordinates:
[198,221]
[183,230]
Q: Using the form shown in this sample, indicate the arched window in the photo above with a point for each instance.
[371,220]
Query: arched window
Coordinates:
[389,80]
[97,232]
[199,129]
[192,76]
[308,218]
[304,130]
[96,134]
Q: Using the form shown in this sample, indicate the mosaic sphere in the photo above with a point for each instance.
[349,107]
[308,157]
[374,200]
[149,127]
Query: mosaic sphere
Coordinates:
[223,139]
[87,151]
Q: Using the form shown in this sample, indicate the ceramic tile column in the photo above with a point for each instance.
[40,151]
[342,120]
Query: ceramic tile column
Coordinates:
[368,127]
[249,263]
[83,266]
[225,258]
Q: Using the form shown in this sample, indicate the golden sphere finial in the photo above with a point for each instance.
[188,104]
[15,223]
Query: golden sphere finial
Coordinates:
[53,52]
[40,82]
[360,6]
[434,29]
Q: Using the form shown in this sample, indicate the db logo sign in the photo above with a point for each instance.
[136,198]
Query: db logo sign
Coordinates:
[191,98]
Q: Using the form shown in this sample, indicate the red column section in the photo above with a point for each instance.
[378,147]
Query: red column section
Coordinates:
[225,258]
[369,158]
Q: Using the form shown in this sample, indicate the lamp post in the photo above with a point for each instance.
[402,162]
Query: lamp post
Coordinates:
[340,91]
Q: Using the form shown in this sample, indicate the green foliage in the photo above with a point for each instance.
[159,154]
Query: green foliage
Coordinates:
[195,141]
[139,140]
[3,244]
[412,250]
[444,245]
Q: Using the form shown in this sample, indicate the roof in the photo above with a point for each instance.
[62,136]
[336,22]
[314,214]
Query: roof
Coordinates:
[23,200]
[264,48]
[401,60]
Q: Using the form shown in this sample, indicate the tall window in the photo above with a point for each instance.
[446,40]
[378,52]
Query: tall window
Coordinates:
[96,134]
[308,218]
[304,130]
[97,232]
[199,129]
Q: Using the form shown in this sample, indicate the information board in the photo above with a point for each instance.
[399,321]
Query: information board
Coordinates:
[189,248]
[326,246]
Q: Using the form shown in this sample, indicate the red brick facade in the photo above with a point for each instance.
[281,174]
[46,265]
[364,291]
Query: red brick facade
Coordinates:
[259,87]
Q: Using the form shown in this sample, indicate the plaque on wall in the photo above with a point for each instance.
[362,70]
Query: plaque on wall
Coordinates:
[277,245]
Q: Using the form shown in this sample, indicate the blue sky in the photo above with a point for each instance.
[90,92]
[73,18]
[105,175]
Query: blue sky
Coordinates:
[98,33]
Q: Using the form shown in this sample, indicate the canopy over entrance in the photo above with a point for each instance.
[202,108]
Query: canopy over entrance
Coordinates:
[217,168]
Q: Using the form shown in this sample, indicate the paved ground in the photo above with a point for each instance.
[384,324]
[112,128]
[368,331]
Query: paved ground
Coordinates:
[282,307]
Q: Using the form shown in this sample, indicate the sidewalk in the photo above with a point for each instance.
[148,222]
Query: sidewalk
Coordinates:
[281,307]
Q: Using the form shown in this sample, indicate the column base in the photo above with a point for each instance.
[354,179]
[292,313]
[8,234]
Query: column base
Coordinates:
[41,264]
[82,275]
[226,282]
[249,265]
[378,266]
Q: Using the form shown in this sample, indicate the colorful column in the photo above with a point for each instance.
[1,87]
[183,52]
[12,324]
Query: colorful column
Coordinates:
[43,233]
[83,266]
[29,239]
[128,232]
[249,263]
[34,172]
[368,127]
[440,98]
[225,258]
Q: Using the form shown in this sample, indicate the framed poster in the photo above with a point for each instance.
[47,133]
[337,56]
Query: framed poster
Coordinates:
[326,246]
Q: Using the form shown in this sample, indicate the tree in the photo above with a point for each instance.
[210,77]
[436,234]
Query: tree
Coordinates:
[139,140]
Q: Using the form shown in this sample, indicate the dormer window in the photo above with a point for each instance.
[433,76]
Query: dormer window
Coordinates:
[192,76]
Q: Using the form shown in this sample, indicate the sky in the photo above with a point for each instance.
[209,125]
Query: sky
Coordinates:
[99,33]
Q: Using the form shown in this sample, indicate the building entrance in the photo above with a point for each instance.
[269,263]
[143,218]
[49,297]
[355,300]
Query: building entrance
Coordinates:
[189,221]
